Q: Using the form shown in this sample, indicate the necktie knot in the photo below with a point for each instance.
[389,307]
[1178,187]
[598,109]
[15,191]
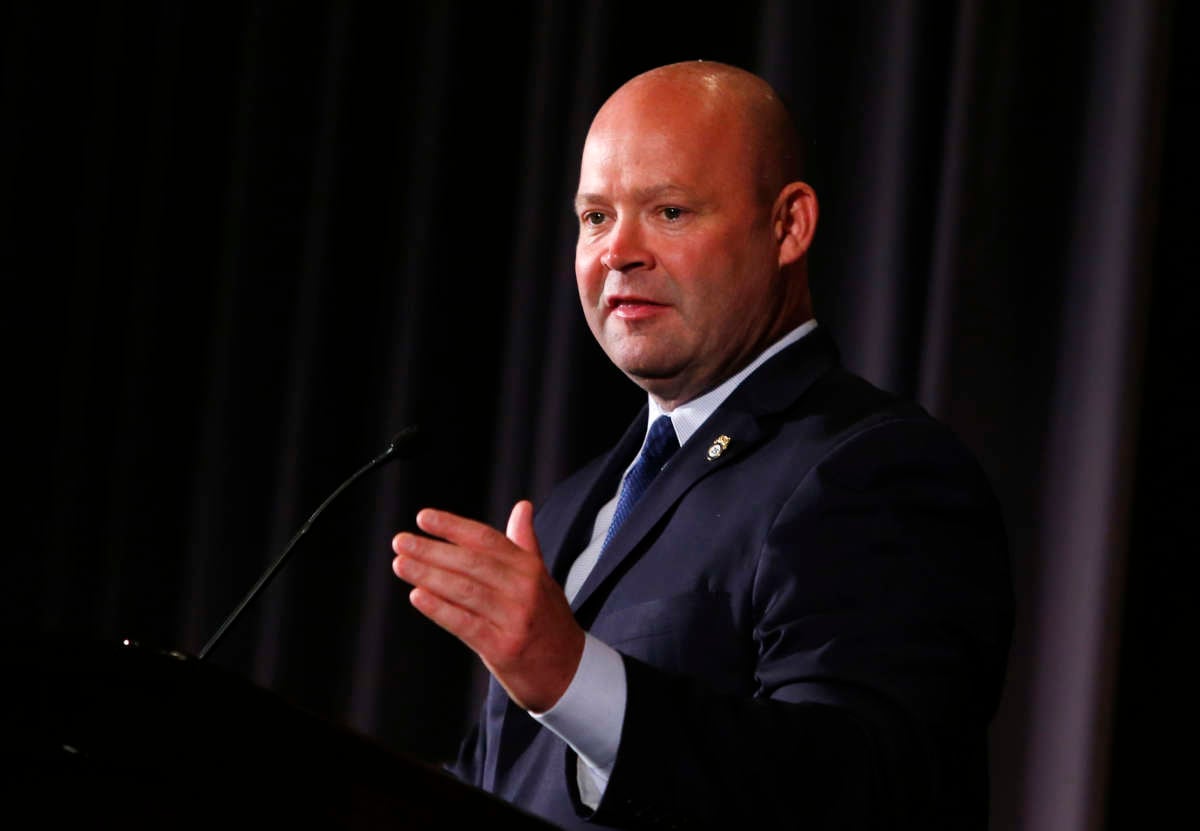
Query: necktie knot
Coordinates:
[660,443]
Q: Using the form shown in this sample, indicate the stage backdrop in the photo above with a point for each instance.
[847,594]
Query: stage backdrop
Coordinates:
[244,244]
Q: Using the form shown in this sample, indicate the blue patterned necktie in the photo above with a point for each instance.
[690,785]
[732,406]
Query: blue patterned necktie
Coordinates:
[656,450]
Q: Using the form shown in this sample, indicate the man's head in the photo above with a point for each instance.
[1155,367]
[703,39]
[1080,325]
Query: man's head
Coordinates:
[693,226]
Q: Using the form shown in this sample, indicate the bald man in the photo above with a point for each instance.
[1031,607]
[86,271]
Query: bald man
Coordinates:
[783,597]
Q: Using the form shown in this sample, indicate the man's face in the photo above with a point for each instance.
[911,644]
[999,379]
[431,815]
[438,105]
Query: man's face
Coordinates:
[677,262]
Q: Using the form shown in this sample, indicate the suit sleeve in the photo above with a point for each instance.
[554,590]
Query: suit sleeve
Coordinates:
[882,614]
[468,765]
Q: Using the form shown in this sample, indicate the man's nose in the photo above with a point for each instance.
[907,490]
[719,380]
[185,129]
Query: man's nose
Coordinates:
[626,248]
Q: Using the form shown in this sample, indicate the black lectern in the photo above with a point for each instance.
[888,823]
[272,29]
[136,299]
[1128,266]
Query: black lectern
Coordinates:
[123,735]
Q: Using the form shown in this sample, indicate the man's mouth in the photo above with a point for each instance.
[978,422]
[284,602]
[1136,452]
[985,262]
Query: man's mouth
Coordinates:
[632,307]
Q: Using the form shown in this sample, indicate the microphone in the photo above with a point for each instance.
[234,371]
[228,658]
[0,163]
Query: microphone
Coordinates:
[401,447]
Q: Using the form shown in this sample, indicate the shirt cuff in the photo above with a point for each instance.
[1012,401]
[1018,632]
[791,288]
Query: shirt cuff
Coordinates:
[590,714]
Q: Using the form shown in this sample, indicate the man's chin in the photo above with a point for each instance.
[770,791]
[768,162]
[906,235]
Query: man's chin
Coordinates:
[668,386]
[650,374]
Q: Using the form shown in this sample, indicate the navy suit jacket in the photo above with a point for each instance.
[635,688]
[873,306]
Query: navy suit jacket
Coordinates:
[814,623]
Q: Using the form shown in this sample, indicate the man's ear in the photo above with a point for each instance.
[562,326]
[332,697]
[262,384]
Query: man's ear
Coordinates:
[795,221]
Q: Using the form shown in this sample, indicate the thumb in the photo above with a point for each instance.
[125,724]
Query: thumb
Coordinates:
[520,526]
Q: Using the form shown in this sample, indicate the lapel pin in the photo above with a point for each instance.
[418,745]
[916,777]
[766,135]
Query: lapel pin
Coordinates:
[720,445]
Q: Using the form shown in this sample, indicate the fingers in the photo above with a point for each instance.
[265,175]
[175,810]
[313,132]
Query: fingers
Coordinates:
[520,526]
[467,592]
[492,592]
[468,627]
[462,531]
[474,548]
[412,550]
[474,567]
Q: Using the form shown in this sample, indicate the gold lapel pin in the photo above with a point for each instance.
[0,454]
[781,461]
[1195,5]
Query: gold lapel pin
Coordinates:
[720,445]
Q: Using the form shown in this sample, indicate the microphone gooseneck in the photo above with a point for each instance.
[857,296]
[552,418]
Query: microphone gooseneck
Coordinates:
[401,446]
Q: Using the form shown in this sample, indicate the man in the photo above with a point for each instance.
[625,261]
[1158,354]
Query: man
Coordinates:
[804,621]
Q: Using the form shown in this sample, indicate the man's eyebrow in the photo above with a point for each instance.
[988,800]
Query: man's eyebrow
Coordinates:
[582,199]
[666,189]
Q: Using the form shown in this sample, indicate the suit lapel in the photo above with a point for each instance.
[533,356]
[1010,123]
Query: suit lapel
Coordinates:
[563,542]
[563,536]
[735,428]
[689,465]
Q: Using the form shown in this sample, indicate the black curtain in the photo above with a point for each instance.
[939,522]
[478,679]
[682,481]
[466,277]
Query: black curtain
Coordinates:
[243,245]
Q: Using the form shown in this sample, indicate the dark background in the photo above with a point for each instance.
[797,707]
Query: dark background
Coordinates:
[243,244]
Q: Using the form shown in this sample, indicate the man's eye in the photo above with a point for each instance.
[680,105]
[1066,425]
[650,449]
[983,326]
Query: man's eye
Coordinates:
[593,218]
[672,214]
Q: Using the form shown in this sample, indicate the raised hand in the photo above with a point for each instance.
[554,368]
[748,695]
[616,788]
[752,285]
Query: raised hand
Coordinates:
[492,592]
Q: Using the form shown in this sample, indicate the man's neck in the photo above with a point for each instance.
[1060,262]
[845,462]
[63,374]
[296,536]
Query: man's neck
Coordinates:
[688,416]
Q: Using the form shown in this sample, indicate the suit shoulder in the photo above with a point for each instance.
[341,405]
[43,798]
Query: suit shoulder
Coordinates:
[866,429]
[848,400]
[899,449]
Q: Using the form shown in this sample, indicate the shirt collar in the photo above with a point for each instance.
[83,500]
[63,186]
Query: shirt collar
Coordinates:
[687,418]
